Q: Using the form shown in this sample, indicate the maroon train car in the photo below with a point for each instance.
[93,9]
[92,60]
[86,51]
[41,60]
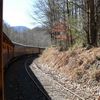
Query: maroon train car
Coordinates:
[8,49]
[21,49]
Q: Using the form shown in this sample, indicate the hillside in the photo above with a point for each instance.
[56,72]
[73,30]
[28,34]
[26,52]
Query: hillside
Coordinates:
[34,37]
[75,64]
[78,68]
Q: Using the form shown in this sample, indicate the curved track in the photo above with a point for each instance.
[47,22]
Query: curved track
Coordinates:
[19,85]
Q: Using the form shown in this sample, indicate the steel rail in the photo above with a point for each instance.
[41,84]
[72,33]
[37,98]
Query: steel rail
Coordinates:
[34,80]
[25,66]
[76,95]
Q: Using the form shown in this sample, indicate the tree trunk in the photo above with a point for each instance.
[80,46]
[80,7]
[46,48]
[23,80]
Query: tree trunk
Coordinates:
[92,28]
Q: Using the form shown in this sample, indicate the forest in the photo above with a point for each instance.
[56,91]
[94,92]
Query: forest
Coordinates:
[70,22]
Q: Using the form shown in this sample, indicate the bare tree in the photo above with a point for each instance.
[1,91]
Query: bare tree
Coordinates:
[75,14]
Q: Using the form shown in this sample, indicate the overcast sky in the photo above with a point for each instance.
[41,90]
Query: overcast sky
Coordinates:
[17,12]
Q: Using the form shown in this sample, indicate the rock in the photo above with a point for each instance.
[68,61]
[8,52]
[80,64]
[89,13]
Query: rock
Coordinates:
[97,63]
[86,66]
[98,58]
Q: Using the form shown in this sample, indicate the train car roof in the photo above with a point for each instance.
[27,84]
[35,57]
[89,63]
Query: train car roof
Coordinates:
[29,46]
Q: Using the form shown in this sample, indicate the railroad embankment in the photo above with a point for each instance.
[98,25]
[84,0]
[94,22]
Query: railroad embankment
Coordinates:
[77,69]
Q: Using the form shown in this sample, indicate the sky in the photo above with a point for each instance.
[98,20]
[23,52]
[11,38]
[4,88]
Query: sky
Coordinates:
[18,13]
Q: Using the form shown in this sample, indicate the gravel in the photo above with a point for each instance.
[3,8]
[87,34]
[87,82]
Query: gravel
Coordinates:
[50,79]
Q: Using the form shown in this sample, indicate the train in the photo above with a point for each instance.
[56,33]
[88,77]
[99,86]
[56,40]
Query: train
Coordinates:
[21,49]
[13,49]
[8,49]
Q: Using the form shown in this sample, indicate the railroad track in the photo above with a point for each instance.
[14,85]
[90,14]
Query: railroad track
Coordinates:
[34,79]
[64,89]
[22,84]
[19,85]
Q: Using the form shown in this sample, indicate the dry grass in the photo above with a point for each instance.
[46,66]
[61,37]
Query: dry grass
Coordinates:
[95,75]
[76,63]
